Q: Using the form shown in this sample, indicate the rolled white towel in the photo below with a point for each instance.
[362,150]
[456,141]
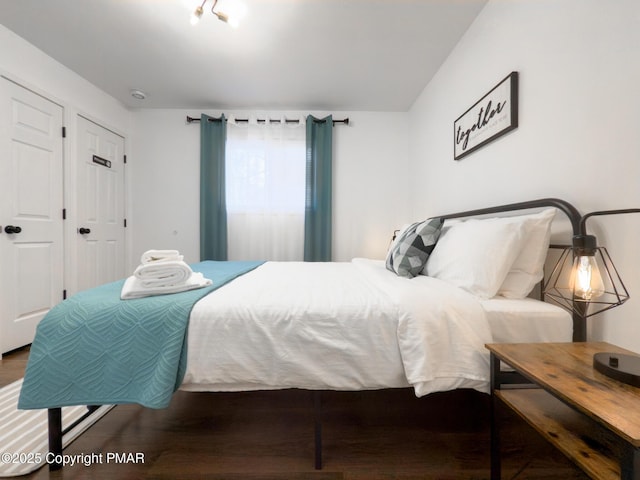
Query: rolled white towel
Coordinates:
[151,256]
[162,274]
[133,288]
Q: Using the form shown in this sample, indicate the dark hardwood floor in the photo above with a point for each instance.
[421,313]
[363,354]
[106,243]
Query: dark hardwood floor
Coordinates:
[382,435]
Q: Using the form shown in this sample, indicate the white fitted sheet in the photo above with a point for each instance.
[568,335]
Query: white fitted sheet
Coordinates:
[527,321]
[340,326]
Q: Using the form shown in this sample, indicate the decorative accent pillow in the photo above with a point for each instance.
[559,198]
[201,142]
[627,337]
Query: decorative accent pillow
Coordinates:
[528,268]
[476,255]
[411,249]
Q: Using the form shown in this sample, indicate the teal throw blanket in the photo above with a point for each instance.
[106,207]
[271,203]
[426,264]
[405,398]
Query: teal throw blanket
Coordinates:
[96,349]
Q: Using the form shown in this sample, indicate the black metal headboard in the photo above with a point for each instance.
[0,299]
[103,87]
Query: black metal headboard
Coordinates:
[579,323]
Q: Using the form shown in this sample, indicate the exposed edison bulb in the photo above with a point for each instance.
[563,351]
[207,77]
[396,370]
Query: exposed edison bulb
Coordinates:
[196,15]
[223,17]
[587,281]
[234,11]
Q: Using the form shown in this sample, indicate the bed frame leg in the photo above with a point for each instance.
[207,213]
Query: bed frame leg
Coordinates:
[317,410]
[55,437]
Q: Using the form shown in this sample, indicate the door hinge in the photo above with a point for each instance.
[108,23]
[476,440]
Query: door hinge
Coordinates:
[125,159]
[64,132]
[125,223]
[64,294]
[64,213]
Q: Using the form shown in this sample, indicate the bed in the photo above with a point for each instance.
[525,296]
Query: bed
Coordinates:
[358,325]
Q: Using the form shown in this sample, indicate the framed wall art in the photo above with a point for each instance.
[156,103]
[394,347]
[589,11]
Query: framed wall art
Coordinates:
[489,118]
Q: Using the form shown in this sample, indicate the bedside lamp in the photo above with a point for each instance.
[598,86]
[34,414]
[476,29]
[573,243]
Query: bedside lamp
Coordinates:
[585,282]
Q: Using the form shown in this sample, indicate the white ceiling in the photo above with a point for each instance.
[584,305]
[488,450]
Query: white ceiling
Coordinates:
[286,54]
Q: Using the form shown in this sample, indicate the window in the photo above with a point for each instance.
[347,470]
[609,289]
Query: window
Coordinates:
[265,190]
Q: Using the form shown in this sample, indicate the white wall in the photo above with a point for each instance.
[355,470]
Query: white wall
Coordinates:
[578,125]
[32,68]
[370,159]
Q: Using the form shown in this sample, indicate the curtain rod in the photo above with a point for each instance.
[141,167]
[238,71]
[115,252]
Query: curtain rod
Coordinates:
[262,120]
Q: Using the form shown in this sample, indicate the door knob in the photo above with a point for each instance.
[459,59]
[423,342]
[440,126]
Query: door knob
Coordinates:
[11,229]
[84,231]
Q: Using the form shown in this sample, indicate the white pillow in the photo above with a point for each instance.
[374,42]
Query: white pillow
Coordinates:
[476,255]
[528,268]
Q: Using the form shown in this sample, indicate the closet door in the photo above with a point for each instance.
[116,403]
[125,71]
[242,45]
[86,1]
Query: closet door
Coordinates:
[100,188]
[31,203]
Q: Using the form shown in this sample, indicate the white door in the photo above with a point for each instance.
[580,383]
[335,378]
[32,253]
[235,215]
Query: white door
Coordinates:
[31,203]
[100,188]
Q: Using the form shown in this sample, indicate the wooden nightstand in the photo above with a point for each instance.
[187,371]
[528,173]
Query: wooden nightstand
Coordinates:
[592,419]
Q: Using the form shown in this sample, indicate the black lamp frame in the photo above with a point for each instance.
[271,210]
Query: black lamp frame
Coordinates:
[584,244]
[622,367]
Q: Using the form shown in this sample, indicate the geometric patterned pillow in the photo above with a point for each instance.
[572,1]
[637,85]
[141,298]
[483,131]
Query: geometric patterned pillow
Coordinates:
[408,255]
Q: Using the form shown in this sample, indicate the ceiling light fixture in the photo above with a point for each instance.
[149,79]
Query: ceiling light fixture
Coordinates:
[232,16]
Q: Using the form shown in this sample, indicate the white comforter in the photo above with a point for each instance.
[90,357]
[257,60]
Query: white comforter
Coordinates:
[339,326]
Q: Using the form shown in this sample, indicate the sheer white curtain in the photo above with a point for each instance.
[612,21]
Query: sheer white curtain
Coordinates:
[265,185]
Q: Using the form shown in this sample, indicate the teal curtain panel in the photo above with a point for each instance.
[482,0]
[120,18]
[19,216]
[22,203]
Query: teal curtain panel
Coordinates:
[317,222]
[213,209]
